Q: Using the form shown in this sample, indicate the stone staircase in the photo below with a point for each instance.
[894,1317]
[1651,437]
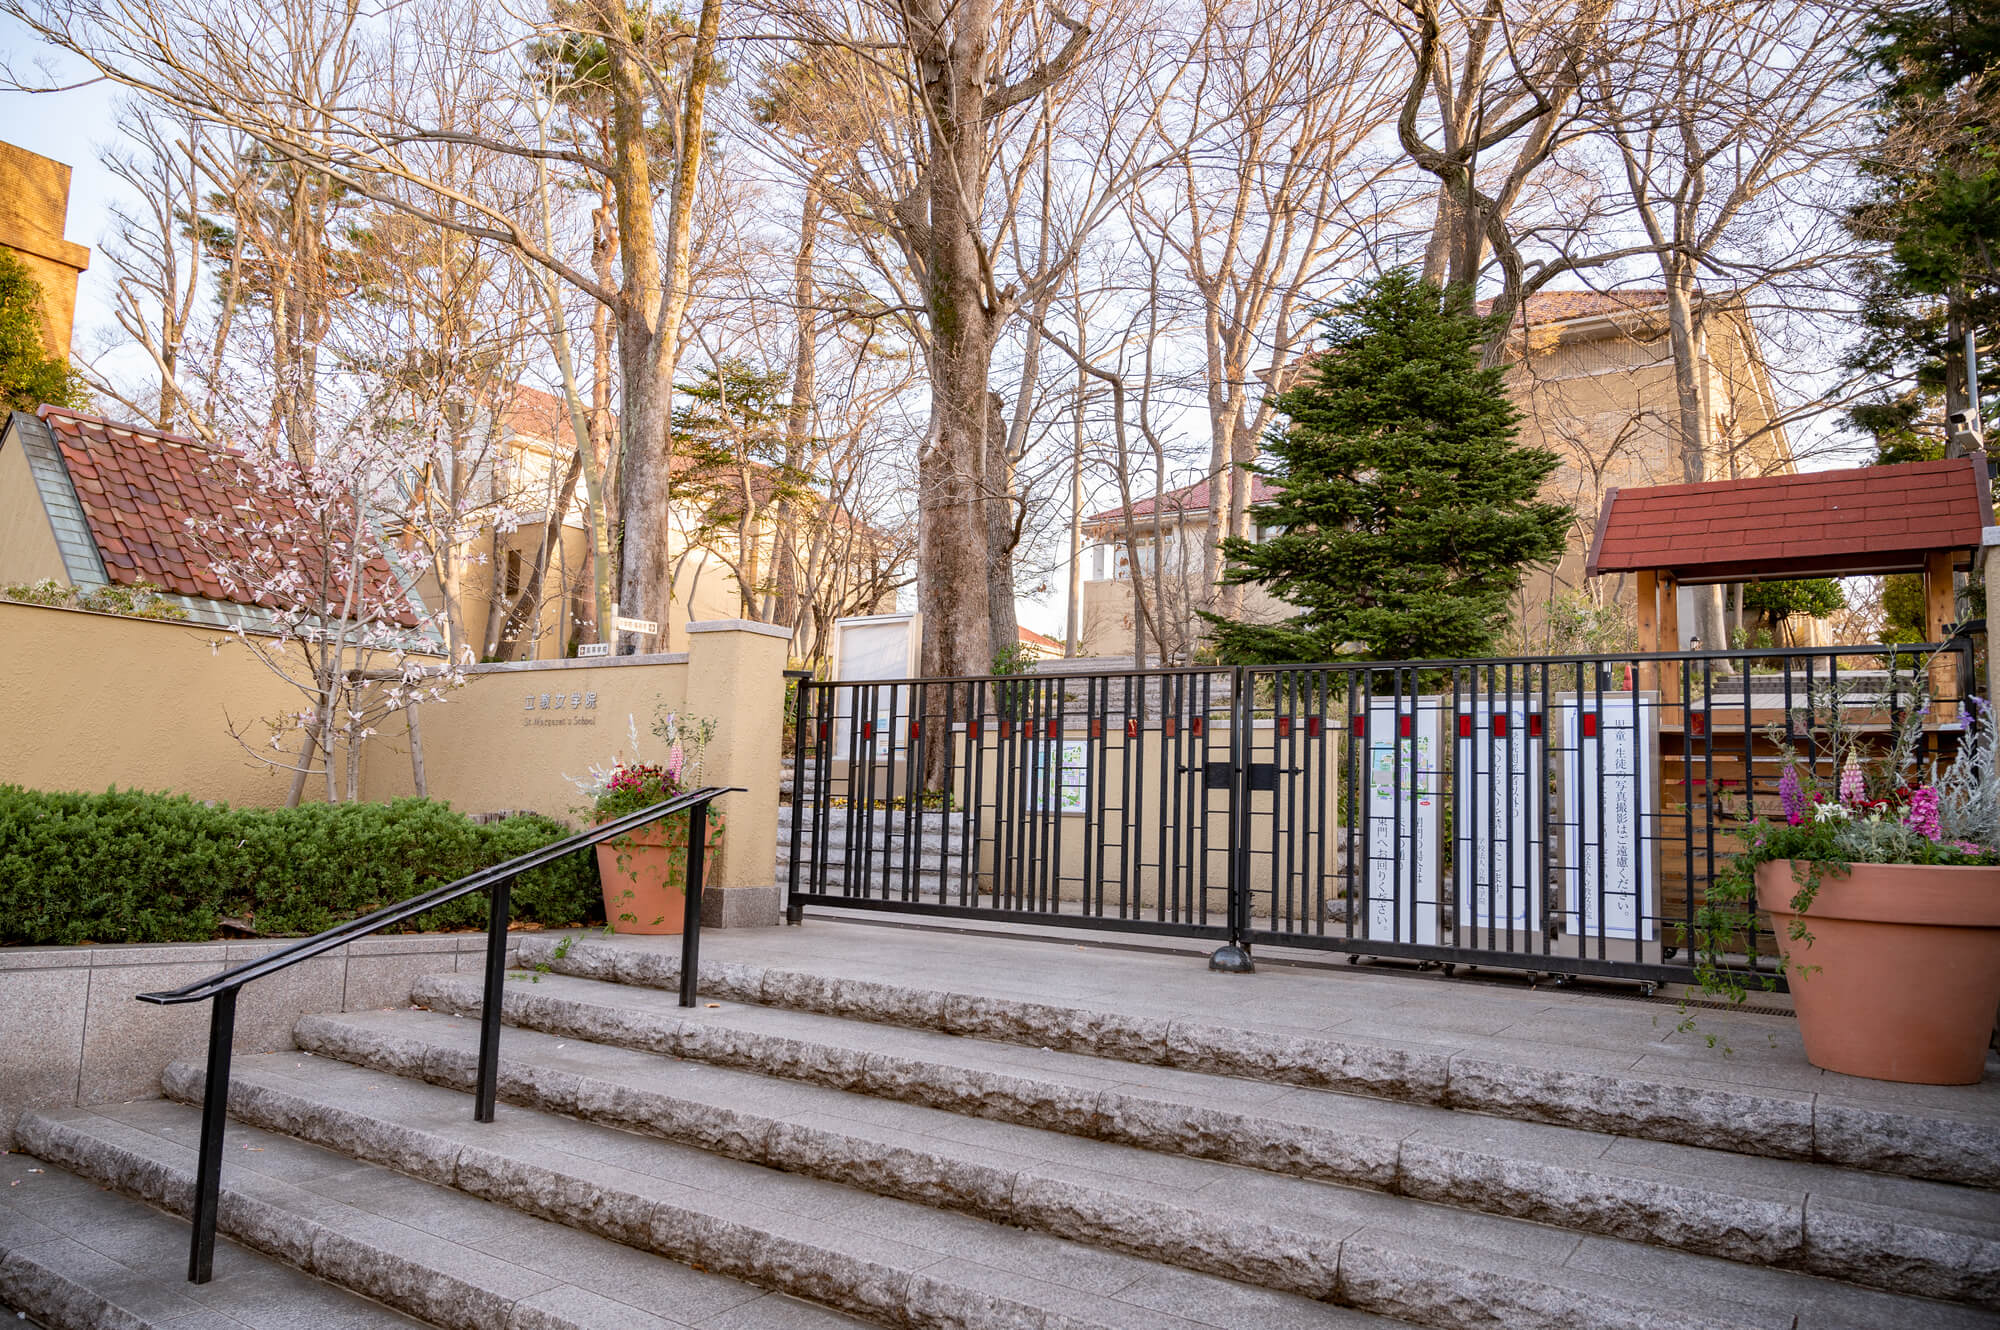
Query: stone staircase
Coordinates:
[812,1149]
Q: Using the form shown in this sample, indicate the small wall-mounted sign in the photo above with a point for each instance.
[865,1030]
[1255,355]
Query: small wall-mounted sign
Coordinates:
[625,625]
[593,649]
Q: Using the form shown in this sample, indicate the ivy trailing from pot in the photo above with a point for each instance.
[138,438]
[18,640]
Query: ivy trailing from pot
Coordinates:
[1874,861]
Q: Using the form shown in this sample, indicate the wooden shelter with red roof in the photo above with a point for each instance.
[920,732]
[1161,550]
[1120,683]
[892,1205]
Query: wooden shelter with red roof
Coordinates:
[1917,517]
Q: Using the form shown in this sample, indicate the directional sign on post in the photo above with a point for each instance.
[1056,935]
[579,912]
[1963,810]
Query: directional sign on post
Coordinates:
[625,625]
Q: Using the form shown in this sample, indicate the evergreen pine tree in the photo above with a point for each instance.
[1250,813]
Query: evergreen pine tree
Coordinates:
[29,375]
[1932,210]
[1407,510]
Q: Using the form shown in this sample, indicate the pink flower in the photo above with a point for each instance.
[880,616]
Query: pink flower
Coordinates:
[676,759]
[1853,786]
[1923,813]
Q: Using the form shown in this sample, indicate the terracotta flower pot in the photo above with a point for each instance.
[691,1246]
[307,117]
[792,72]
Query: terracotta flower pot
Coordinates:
[644,876]
[1902,975]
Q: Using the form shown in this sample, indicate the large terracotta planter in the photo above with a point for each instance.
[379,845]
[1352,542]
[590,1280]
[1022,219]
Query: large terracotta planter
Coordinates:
[1902,975]
[644,876]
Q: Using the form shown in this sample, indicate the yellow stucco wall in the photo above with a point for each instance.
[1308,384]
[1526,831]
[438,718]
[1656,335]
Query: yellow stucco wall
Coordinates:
[28,550]
[512,737]
[100,700]
[34,205]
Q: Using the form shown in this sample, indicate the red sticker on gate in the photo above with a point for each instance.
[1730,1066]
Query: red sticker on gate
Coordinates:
[1312,727]
[1055,729]
[1194,727]
[1500,726]
[1284,727]
[1534,725]
[1465,727]
[1590,725]
[1169,727]
[1131,729]
[1402,727]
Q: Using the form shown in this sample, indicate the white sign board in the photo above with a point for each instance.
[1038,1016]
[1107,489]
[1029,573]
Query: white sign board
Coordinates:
[1609,776]
[1498,827]
[593,649]
[625,625]
[1403,807]
[871,647]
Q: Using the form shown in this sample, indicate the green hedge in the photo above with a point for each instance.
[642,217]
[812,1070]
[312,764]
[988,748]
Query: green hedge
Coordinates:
[130,867]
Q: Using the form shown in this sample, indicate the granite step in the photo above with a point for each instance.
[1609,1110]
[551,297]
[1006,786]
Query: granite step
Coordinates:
[1888,1135]
[889,1260]
[1110,1180]
[74,1256]
[901,1263]
[427,1250]
[1869,1229]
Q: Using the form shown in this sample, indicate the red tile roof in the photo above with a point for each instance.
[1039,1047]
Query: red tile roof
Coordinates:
[1188,499]
[1875,519]
[1029,637]
[138,488]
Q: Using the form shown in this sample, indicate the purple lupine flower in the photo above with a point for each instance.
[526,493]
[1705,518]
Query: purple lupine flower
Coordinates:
[1853,786]
[1791,797]
[1923,815]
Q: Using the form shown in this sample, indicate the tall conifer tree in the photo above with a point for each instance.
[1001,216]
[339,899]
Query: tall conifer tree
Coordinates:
[29,375]
[1407,509]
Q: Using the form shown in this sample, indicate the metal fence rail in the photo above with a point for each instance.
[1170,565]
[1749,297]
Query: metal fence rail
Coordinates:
[498,882]
[1555,814]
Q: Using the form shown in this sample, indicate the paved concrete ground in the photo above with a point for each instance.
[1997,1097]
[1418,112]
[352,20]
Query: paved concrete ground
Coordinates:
[1507,1021]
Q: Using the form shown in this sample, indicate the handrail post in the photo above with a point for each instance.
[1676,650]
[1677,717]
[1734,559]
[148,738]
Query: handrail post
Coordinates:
[691,923]
[497,919]
[214,1116]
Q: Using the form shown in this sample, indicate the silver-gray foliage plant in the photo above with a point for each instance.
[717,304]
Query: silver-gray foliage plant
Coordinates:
[1969,789]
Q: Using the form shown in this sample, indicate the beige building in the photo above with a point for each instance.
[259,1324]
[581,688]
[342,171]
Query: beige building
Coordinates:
[34,208]
[841,566]
[1593,375]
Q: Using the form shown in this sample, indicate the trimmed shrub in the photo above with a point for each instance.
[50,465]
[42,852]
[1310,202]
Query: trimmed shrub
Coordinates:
[130,867]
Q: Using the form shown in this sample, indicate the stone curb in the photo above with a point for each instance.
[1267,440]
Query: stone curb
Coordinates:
[1396,1276]
[1882,1248]
[1810,1127]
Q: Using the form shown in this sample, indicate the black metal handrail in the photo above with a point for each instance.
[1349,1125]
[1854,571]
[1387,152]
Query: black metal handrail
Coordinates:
[499,879]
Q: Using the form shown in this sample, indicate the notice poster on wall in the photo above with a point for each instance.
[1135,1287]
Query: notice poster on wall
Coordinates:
[1498,826]
[1064,788]
[1608,776]
[1403,819]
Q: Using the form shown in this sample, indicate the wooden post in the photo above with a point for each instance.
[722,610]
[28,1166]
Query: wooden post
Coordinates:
[1939,611]
[1670,637]
[1649,627]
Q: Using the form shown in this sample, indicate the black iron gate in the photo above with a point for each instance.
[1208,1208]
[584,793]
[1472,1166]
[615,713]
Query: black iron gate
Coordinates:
[1561,815]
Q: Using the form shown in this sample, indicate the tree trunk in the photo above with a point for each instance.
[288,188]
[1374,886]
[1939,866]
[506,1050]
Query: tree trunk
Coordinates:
[653,302]
[1705,623]
[1000,531]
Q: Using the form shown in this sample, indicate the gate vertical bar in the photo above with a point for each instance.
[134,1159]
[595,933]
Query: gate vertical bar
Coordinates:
[1233,957]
